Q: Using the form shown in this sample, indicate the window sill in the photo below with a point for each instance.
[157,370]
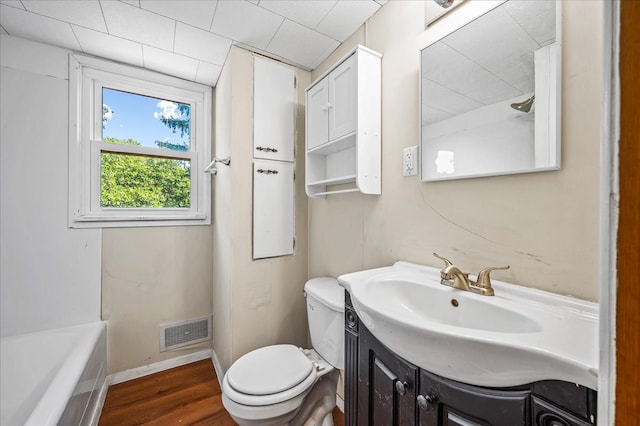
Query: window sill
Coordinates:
[137,221]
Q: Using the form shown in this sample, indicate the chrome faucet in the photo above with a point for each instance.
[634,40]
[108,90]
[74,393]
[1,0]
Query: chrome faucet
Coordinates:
[452,276]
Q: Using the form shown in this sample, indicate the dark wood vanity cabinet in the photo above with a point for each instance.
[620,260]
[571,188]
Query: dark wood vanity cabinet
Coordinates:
[383,389]
[445,402]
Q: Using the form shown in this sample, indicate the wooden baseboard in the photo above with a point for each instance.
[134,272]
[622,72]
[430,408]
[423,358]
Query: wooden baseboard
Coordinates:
[156,367]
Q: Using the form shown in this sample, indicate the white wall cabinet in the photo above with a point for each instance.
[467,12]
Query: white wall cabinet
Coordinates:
[274,103]
[272,208]
[343,126]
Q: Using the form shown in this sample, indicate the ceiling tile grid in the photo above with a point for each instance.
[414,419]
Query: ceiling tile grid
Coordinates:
[189,38]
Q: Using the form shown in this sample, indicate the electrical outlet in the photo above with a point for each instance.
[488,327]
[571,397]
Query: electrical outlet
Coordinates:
[410,161]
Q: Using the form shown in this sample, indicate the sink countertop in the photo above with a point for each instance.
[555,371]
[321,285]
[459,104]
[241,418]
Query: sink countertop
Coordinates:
[519,336]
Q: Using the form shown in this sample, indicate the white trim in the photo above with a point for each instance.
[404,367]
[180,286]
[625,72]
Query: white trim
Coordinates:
[217,367]
[156,367]
[609,196]
[87,77]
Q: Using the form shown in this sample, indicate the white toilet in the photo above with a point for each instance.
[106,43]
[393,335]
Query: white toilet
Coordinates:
[284,384]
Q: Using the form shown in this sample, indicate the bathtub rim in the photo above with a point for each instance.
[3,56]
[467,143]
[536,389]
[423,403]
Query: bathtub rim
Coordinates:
[49,408]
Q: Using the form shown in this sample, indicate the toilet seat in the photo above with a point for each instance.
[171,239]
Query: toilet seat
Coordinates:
[269,375]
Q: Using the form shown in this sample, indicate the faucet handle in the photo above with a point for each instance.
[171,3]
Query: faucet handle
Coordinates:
[447,262]
[484,276]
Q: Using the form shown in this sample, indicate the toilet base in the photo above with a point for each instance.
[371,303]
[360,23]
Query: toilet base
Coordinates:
[317,408]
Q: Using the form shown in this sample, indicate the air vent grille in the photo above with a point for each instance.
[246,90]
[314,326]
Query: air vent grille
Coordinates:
[185,333]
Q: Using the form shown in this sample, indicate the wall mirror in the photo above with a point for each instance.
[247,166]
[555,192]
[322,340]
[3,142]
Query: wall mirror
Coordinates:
[490,91]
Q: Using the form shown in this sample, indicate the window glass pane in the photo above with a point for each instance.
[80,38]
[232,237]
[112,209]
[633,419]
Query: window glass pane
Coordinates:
[129,181]
[145,121]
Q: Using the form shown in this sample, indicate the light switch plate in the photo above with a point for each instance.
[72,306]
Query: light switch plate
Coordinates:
[410,161]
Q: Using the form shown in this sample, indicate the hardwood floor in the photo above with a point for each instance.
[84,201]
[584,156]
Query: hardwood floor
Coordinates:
[186,395]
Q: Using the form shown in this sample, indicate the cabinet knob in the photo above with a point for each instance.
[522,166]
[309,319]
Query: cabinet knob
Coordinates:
[424,402]
[401,387]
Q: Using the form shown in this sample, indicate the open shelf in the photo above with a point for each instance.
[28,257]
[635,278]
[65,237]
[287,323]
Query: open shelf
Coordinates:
[341,144]
[334,181]
[338,191]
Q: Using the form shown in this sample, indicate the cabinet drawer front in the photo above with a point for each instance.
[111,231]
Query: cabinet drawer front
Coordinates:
[465,405]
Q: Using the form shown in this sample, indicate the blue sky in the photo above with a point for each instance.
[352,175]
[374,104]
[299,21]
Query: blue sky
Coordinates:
[132,117]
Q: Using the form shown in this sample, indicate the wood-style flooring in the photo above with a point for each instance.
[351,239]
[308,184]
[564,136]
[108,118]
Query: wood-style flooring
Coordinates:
[186,395]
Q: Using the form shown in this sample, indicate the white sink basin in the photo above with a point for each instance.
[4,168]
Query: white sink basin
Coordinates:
[516,337]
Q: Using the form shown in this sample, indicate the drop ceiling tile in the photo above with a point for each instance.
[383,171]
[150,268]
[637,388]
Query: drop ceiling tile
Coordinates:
[13,3]
[169,63]
[542,27]
[301,45]
[308,13]
[245,22]
[208,73]
[432,115]
[138,25]
[444,99]
[458,73]
[85,13]
[108,46]
[193,12]
[201,44]
[346,17]
[31,26]
[492,39]
[525,10]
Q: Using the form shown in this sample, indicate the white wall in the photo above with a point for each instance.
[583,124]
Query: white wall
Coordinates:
[545,225]
[134,278]
[50,274]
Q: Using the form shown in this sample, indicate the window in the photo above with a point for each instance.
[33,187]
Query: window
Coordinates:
[139,143]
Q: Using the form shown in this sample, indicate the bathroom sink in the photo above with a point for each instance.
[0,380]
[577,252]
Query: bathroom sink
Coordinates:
[414,302]
[518,336]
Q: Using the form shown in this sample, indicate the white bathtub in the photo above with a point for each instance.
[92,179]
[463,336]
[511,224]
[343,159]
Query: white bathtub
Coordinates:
[53,377]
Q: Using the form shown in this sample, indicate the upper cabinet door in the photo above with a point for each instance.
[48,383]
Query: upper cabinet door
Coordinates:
[318,114]
[342,99]
[273,109]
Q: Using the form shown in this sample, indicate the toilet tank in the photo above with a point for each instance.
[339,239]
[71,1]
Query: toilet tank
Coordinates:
[325,311]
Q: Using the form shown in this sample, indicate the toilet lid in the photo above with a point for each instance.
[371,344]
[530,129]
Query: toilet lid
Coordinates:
[269,370]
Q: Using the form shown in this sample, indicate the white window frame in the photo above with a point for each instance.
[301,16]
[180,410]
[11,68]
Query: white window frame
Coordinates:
[87,77]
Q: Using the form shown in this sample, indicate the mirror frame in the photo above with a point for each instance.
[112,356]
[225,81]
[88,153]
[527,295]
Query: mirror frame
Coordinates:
[463,15]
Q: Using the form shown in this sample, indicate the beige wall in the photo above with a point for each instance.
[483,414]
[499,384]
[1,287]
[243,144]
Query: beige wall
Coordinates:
[152,276]
[255,303]
[545,225]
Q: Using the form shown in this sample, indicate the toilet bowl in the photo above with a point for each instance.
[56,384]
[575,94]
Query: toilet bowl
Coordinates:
[284,384]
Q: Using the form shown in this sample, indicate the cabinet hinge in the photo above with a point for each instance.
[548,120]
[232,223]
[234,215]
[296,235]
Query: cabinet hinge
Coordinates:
[294,242]
[295,81]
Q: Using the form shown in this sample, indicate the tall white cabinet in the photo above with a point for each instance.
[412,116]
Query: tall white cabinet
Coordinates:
[343,127]
[274,102]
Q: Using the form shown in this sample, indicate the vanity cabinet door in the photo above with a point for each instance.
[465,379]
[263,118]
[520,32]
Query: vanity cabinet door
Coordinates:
[443,402]
[386,385]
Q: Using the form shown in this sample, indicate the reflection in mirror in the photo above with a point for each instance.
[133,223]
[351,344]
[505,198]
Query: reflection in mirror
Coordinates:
[490,94]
